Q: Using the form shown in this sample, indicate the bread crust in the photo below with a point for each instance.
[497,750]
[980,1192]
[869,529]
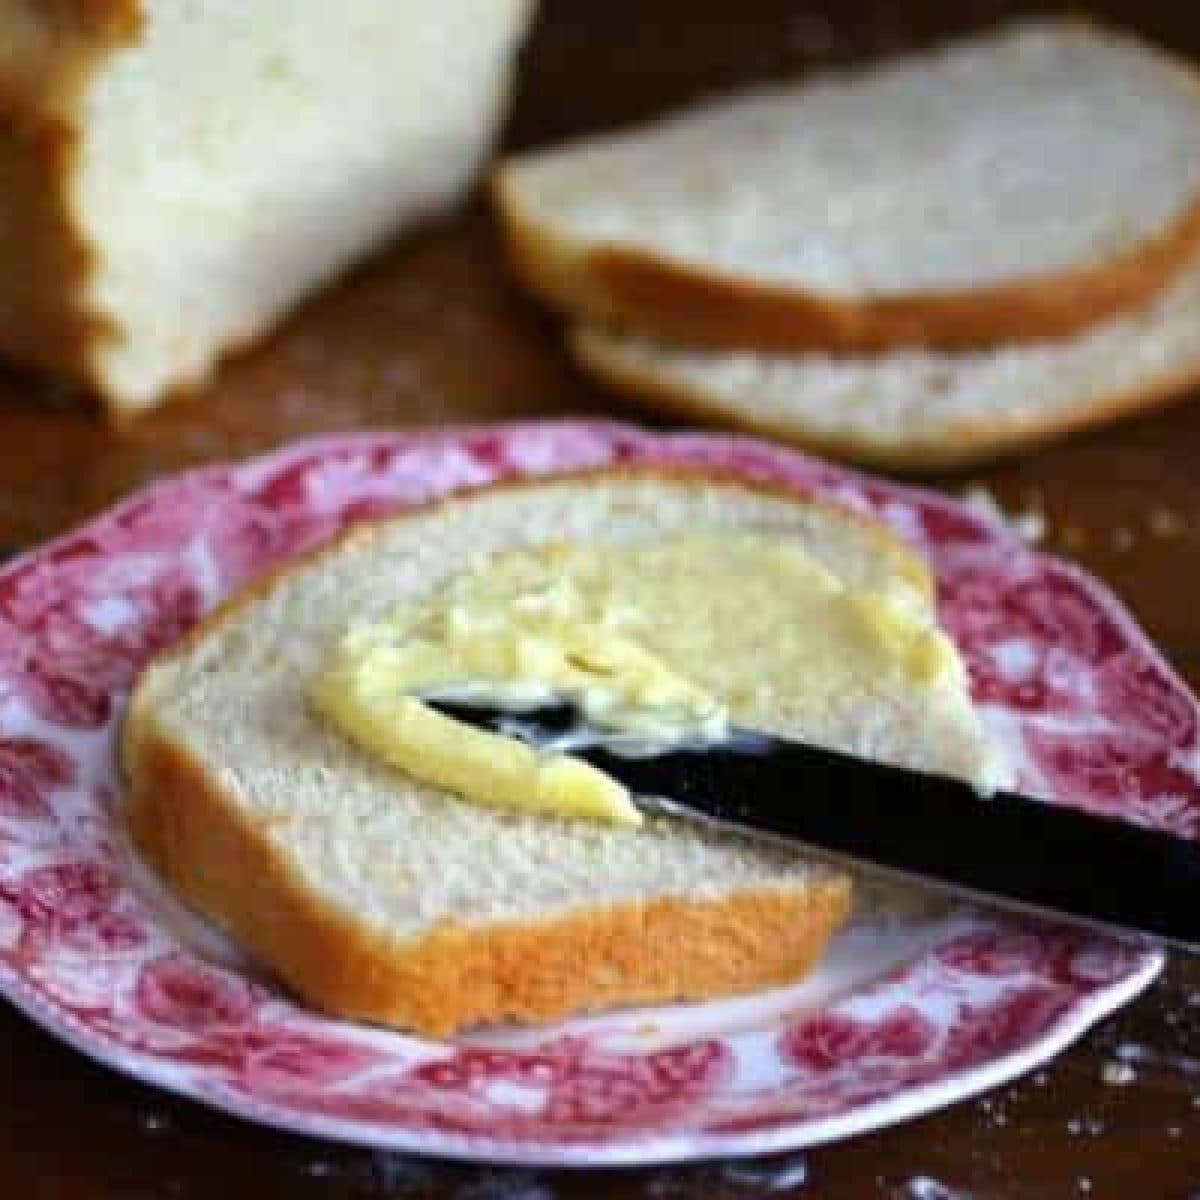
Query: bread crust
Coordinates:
[91,17]
[186,825]
[49,46]
[671,948]
[52,49]
[967,444]
[663,298]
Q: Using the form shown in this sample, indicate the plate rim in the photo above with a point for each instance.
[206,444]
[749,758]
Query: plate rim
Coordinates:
[907,1105]
[629,1149]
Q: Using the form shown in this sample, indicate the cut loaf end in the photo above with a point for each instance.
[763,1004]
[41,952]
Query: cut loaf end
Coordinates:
[157,212]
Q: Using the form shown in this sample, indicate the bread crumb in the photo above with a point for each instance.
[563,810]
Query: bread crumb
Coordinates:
[1118,1073]
[1165,522]
[978,497]
[1121,539]
[922,1187]
[1029,526]
[319,1168]
[783,1174]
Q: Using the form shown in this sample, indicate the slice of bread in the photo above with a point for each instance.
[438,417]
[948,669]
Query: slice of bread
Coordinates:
[174,177]
[1026,183]
[910,409]
[378,897]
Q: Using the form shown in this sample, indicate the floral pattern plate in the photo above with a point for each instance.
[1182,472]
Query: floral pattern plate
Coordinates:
[916,1007]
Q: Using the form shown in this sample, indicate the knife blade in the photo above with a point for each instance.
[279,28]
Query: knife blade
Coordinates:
[1008,849]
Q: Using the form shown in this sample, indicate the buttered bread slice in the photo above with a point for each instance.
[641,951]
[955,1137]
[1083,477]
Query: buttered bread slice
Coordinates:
[1025,183]
[378,895]
[174,176]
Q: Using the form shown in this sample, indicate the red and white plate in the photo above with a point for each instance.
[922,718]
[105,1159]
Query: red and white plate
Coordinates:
[916,1007]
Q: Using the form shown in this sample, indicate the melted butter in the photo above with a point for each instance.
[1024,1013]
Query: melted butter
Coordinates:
[668,640]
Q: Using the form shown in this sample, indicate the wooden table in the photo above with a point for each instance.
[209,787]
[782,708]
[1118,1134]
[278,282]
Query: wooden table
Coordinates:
[433,333]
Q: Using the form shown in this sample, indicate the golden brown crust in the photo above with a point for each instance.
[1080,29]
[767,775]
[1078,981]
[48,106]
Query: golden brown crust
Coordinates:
[94,17]
[667,949]
[44,319]
[48,52]
[967,444]
[671,300]
[49,47]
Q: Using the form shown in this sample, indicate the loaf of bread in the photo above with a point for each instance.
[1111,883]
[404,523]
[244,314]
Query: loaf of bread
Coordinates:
[381,898]
[1026,183]
[920,408]
[173,177]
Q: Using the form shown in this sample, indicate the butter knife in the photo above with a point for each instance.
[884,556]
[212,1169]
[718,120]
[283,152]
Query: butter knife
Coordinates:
[1007,849]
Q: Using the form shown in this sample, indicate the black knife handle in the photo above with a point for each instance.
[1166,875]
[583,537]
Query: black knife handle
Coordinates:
[1040,855]
[1031,853]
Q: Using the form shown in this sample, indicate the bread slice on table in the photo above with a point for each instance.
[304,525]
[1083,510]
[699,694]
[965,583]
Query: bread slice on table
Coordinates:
[378,897]
[174,176]
[911,409]
[1025,183]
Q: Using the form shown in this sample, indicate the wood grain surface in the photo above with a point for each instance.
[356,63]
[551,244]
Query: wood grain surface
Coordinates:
[434,332]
